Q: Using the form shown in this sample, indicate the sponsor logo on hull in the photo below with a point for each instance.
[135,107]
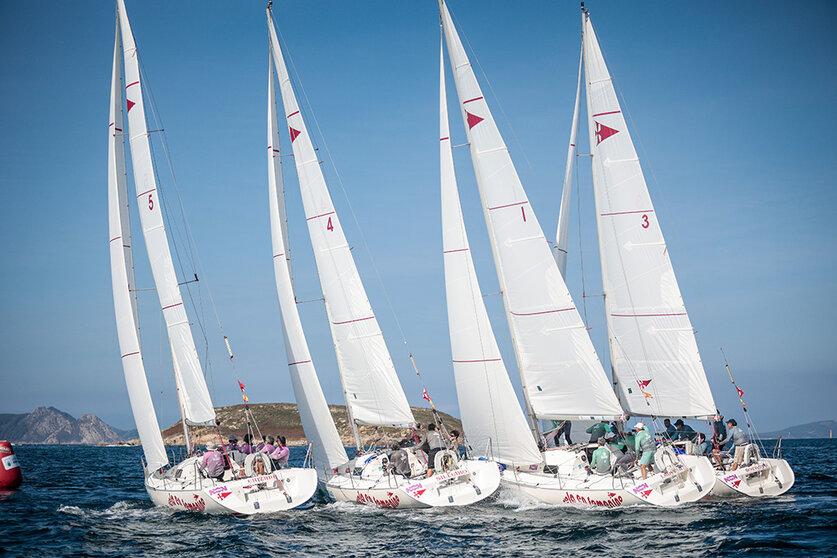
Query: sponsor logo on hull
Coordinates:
[391,502]
[177,503]
[612,501]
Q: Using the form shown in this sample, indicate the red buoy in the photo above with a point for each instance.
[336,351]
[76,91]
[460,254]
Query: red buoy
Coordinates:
[10,475]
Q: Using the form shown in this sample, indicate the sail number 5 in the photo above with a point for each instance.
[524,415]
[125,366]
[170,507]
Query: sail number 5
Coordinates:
[645,223]
[150,203]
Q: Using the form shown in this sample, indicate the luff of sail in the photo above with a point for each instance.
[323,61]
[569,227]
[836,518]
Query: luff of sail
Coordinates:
[122,280]
[316,419]
[195,402]
[562,236]
[560,371]
[371,387]
[491,416]
[656,364]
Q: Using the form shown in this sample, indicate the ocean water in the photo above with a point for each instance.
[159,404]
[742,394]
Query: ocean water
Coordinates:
[90,501]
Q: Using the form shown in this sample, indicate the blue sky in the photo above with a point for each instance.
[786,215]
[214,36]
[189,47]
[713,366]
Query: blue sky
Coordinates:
[731,107]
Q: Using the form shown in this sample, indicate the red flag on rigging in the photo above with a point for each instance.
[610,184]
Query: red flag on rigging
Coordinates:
[740,391]
[425,396]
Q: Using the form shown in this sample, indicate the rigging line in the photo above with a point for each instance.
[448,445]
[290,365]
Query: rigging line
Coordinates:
[345,195]
[172,225]
[372,385]
[580,243]
[192,252]
[537,180]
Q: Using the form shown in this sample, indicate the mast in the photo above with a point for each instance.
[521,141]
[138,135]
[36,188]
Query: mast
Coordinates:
[122,280]
[559,368]
[316,419]
[373,393]
[196,403]
[491,417]
[656,363]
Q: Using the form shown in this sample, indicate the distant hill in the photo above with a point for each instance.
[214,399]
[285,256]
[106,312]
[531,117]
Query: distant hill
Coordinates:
[283,418]
[819,429]
[48,425]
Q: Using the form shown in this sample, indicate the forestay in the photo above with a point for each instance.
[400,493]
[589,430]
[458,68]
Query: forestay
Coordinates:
[122,279]
[371,387]
[560,371]
[195,402]
[655,358]
[491,416]
[313,410]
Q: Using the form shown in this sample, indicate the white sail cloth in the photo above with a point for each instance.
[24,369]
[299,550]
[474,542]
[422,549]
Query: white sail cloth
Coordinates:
[491,416]
[371,387]
[122,279]
[560,371]
[562,236]
[328,450]
[655,358]
[195,402]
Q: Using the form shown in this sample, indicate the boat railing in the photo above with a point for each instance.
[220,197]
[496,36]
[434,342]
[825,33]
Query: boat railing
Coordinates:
[777,449]
[309,460]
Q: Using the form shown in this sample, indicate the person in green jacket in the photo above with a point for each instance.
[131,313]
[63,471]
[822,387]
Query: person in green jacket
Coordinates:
[597,431]
[601,459]
[644,446]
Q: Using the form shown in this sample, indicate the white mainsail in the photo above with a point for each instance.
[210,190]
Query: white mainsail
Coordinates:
[195,402]
[562,236]
[373,393]
[491,416]
[316,419]
[656,364]
[561,374]
[122,279]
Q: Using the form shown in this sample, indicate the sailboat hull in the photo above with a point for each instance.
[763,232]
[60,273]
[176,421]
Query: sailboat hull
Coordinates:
[279,490]
[468,483]
[683,480]
[764,479]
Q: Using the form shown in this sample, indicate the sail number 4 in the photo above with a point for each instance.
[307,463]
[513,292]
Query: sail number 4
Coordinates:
[329,226]
[645,223]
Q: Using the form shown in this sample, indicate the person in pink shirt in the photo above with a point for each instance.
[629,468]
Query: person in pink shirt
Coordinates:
[268,445]
[281,453]
[212,463]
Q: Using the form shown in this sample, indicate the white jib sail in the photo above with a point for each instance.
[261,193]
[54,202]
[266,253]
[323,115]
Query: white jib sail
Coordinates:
[370,383]
[313,410]
[562,236]
[195,400]
[122,279]
[560,371]
[491,416]
[656,364]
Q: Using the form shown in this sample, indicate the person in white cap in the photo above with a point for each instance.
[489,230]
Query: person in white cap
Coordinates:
[644,446]
[212,463]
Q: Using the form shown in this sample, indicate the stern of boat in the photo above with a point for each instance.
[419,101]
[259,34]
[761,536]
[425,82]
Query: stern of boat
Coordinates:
[763,479]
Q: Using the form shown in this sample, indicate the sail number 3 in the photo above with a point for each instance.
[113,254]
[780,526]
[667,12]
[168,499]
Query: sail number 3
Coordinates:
[645,223]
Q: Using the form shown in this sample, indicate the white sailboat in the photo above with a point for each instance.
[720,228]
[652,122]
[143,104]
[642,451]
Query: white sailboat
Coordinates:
[180,486]
[657,369]
[371,388]
[561,375]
